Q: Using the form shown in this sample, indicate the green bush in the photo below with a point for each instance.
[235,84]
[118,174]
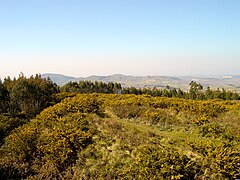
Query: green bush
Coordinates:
[7,124]
[127,111]
[51,140]
[157,162]
[99,136]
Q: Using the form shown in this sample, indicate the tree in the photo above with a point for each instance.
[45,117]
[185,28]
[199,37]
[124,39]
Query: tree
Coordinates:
[30,95]
[4,98]
[195,89]
[209,93]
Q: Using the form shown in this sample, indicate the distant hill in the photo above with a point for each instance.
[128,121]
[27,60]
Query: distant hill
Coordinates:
[229,82]
[59,78]
[125,80]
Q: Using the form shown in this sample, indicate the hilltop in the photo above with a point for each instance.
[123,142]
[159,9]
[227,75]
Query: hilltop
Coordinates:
[99,136]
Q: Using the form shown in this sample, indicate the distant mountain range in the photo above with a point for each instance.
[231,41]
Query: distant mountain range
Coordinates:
[229,82]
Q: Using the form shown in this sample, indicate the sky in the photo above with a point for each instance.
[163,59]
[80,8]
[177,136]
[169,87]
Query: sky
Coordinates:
[133,37]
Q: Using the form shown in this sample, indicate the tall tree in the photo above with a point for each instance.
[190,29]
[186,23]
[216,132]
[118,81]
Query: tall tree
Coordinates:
[30,95]
[195,89]
[4,98]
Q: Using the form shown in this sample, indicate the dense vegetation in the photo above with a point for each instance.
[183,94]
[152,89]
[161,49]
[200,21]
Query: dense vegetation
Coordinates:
[21,99]
[26,95]
[114,136]
[196,90]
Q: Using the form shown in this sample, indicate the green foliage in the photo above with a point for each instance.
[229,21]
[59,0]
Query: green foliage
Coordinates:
[59,148]
[219,160]
[51,140]
[222,162]
[160,117]
[196,90]
[7,124]
[110,136]
[4,98]
[62,95]
[127,111]
[157,162]
[27,96]
[215,130]
[92,87]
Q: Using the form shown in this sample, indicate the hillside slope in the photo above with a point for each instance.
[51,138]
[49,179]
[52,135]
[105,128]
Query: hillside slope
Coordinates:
[98,136]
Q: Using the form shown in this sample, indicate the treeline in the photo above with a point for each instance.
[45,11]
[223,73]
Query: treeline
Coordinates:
[26,96]
[92,87]
[196,91]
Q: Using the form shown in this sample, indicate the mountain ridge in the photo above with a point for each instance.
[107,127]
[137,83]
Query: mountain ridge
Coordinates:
[229,82]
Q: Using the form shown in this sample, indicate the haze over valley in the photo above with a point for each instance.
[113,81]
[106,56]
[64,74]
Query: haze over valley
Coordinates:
[228,82]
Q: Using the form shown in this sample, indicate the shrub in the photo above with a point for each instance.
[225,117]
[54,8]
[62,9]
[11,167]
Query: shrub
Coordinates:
[156,162]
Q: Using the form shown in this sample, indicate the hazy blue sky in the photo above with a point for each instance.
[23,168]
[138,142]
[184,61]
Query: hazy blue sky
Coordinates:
[136,37]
